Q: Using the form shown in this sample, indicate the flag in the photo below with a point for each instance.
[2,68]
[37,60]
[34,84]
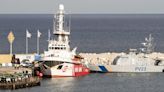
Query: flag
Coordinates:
[28,34]
[39,34]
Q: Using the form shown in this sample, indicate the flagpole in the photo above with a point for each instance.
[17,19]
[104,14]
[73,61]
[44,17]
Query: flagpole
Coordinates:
[11,48]
[49,36]
[38,37]
[28,35]
[37,45]
[26,43]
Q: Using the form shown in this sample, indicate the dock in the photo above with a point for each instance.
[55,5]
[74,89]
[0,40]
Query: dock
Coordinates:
[27,82]
[14,78]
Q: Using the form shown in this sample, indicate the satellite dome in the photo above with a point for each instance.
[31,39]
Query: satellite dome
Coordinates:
[61,7]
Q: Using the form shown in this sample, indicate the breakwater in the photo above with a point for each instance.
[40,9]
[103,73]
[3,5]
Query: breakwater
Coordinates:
[108,57]
[94,58]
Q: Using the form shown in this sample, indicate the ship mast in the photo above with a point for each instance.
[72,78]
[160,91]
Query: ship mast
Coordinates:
[148,45]
[59,26]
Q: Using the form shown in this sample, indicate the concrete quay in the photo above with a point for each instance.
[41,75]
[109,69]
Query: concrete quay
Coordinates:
[6,58]
[93,58]
[12,70]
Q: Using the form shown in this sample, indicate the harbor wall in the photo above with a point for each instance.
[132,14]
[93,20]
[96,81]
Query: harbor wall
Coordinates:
[107,58]
[30,57]
[94,58]
[6,58]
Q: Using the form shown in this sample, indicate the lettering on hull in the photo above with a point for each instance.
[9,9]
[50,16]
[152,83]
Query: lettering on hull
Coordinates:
[140,69]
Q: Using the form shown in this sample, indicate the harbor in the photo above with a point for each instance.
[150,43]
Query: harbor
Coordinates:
[68,58]
[60,60]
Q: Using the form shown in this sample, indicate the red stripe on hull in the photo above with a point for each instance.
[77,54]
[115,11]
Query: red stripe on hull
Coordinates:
[81,74]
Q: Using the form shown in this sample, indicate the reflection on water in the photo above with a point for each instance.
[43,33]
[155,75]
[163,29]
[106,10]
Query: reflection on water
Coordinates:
[58,84]
[109,82]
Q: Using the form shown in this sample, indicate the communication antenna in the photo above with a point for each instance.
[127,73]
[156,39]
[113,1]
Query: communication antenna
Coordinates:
[149,45]
[69,22]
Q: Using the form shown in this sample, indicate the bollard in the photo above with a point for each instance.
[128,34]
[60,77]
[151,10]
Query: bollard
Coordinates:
[13,87]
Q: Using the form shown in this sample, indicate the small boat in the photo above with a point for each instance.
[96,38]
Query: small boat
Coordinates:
[59,60]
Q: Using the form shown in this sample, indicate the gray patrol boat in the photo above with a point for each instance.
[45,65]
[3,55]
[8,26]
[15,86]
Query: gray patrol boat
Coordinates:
[134,61]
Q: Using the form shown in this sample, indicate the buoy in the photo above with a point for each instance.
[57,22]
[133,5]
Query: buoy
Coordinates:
[40,74]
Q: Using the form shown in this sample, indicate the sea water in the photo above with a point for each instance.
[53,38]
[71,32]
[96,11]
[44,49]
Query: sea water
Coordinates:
[89,32]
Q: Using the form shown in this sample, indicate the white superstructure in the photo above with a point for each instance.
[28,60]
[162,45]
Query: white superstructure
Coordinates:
[59,49]
[59,60]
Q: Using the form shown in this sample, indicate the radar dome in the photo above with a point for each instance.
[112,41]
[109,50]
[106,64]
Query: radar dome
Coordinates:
[61,7]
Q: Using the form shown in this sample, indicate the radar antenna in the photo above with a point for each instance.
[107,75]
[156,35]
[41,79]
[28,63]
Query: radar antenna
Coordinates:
[149,45]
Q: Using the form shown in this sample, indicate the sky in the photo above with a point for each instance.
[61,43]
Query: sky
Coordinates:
[82,6]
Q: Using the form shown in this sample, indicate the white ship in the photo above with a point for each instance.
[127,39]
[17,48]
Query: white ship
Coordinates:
[59,60]
[133,61]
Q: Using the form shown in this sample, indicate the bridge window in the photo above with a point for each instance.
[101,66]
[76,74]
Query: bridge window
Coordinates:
[52,55]
[60,67]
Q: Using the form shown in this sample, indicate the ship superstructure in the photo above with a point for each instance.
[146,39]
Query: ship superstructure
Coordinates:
[59,48]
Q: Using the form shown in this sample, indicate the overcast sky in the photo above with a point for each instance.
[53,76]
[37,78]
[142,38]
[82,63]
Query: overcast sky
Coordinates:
[82,6]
